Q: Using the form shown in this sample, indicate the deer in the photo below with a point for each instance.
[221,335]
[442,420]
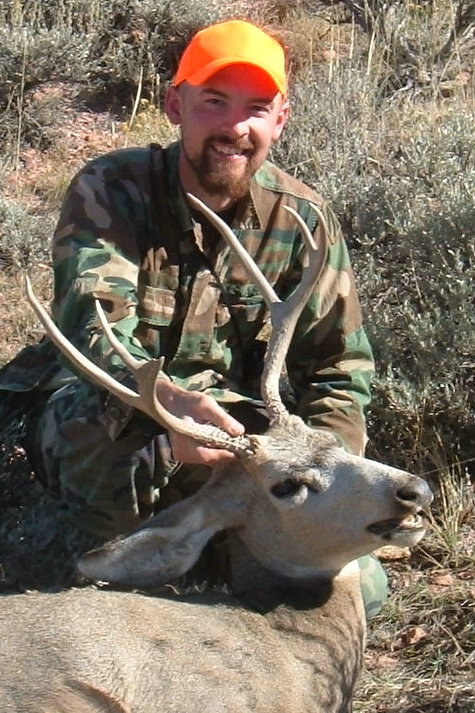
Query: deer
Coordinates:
[289,635]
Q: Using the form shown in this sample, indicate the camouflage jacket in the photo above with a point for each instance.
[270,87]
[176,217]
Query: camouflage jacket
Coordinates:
[171,287]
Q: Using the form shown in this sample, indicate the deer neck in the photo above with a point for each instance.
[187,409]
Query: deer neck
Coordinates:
[303,605]
[320,621]
[264,590]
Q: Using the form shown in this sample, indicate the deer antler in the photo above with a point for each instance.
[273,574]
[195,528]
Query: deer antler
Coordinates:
[146,373]
[284,315]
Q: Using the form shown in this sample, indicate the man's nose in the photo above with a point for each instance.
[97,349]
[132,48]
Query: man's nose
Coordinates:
[236,125]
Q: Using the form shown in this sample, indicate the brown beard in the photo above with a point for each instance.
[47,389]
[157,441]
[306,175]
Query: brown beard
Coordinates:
[217,178]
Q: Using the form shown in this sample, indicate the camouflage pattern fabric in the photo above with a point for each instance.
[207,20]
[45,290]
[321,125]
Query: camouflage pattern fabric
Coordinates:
[104,488]
[374,584]
[171,287]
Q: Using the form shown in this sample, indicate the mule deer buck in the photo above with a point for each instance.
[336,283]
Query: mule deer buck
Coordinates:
[290,638]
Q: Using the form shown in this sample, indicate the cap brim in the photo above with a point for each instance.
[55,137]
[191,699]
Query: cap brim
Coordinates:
[202,75]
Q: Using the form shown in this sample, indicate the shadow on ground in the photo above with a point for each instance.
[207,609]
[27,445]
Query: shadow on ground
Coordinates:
[38,547]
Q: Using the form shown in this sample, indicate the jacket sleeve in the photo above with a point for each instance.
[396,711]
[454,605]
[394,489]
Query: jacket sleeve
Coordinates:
[330,362]
[96,255]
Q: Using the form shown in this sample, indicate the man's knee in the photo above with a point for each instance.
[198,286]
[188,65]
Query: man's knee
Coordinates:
[106,487]
[374,584]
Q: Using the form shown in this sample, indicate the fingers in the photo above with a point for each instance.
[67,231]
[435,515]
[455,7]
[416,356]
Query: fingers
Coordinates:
[211,411]
[203,409]
[187,450]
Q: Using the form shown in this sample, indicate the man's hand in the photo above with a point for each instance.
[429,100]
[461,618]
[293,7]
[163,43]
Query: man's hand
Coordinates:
[203,409]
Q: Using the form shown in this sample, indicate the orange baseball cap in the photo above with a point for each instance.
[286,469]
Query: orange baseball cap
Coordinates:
[232,42]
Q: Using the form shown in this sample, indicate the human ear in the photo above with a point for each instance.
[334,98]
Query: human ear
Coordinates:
[281,120]
[173,105]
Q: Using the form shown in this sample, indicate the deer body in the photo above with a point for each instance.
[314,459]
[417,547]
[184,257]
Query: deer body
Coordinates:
[89,650]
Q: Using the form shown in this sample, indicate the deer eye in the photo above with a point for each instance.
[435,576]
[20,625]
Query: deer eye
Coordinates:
[286,488]
[299,485]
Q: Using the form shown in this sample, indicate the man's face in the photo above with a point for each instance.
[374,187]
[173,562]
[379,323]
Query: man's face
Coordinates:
[228,125]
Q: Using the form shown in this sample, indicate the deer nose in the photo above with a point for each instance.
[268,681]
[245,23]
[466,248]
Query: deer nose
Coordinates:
[415,494]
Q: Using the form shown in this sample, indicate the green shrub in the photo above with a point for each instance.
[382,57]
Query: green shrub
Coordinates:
[401,176]
[417,45]
[25,237]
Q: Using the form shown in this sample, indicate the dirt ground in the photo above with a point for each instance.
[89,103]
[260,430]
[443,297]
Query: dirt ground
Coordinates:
[38,549]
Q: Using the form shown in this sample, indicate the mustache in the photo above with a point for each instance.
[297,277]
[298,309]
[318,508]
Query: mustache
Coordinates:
[238,144]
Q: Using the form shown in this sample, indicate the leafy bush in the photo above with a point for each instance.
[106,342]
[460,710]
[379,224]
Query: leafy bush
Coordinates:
[417,45]
[402,180]
[108,46]
[25,238]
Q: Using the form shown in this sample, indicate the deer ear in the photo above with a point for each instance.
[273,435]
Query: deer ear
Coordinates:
[149,557]
[169,544]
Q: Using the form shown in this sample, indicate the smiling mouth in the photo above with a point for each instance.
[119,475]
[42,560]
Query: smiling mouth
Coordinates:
[229,155]
[411,523]
[230,151]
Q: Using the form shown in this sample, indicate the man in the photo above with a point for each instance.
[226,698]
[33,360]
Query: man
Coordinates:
[128,236]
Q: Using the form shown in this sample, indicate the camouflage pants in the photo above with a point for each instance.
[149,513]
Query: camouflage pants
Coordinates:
[108,487]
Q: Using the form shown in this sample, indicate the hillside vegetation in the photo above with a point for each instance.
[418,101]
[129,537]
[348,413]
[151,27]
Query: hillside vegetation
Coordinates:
[383,107]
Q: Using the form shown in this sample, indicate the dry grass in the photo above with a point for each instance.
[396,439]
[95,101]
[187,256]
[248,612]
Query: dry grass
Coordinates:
[149,125]
[421,650]
[18,324]
[420,655]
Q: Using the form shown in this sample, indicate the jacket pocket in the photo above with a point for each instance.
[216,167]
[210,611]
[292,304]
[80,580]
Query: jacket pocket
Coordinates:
[156,302]
[247,305]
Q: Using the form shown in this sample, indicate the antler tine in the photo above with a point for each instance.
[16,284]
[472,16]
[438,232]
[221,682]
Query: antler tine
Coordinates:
[147,373]
[250,266]
[284,315]
[97,375]
[130,361]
